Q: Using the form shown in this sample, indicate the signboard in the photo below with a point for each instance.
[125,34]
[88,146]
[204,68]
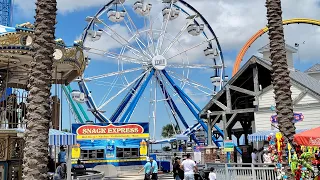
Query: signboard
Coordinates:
[75,152]
[201,136]
[298,117]
[314,141]
[111,131]
[109,151]
[228,146]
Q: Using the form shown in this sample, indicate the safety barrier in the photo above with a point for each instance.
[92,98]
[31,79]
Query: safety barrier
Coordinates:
[245,171]
[98,176]
[95,176]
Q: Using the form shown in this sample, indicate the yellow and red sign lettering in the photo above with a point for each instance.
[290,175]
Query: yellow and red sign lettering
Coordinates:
[87,132]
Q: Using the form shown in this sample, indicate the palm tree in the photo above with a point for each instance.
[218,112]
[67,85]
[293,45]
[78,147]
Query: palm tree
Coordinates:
[169,131]
[39,113]
[280,73]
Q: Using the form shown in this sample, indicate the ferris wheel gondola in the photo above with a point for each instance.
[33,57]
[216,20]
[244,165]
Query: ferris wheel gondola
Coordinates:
[166,47]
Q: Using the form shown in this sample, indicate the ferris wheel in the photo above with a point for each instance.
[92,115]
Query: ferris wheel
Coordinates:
[150,59]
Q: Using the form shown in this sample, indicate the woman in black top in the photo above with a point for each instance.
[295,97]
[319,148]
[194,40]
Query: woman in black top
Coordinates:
[178,173]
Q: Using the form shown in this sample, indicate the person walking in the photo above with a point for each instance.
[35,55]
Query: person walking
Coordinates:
[147,170]
[189,167]
[254,156]
[212,174]
[154,169]
[62,155]
[178,173]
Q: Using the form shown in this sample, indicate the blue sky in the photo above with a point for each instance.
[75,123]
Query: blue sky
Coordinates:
[233,22]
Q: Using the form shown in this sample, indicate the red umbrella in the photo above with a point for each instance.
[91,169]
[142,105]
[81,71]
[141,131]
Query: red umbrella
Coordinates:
[308,138]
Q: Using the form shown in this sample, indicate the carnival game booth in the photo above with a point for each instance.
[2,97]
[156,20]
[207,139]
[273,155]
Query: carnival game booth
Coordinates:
[119,144]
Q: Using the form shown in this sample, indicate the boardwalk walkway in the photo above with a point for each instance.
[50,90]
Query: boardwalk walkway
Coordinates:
[140,177]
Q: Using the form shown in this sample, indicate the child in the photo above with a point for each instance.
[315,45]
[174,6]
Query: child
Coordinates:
[212,175]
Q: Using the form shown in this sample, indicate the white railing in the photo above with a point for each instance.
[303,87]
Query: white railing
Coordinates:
[244,171]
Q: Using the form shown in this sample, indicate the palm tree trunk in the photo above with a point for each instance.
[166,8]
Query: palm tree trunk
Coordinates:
[280,73]
[39,113]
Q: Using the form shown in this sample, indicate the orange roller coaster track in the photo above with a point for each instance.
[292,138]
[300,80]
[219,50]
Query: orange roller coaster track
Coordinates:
[245,48]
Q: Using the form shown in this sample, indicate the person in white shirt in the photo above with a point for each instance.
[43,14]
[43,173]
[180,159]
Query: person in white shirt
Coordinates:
[267,158]
[254,156]
[189,166]
[212,175]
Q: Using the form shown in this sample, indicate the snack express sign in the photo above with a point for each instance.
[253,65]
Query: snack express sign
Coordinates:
[111,131]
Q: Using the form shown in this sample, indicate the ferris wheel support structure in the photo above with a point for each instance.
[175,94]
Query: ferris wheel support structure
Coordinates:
[174,108]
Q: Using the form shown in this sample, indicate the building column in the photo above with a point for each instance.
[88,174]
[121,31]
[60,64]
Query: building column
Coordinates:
[209,122]
[225,132]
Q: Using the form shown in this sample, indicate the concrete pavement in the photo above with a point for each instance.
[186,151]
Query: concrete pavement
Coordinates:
[140,177]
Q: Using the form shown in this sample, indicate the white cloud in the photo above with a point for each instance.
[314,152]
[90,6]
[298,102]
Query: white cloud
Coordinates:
[234,22]
[64,6]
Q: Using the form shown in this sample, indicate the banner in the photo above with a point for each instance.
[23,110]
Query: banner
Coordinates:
[298,117]
[111,131]
[228,146]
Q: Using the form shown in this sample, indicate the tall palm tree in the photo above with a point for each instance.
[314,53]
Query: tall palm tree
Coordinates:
[169,131]
[39,114]
[280,73]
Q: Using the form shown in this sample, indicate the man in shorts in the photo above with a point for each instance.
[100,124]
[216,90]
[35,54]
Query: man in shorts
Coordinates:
[189,167]
[154,169]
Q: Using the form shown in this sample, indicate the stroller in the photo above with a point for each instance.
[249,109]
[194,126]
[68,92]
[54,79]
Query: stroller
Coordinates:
[201,176]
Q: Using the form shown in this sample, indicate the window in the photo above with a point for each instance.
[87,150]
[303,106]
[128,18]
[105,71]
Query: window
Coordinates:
[92,154]
[127,152]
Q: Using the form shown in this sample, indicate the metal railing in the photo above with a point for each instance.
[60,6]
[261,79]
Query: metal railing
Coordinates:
[245,171]
[13,110]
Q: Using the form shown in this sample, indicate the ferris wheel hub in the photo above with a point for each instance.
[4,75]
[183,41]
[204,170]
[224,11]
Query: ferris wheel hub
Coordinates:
[159,62]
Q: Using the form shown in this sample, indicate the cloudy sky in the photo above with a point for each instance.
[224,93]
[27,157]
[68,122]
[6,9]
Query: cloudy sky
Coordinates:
[233,21]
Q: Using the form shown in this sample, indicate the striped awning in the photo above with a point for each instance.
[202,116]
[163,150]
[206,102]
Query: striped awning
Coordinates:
[58,138]
[263,135]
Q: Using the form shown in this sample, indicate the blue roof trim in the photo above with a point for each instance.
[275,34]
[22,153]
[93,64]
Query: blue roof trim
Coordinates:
[129,146]
[92,147]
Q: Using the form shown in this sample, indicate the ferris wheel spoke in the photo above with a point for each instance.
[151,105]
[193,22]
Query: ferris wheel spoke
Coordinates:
[112,74]
[123,59]
[126,44]
[113,97]
[190,82]
[111,54]
[109,90]
[163,31]
[195,46]
[137,30]
[107,84]
[138,41]
[151,35]
[194,66]
[176,38]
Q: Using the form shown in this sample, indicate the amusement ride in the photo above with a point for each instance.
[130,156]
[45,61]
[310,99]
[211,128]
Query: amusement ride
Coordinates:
[146,52]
